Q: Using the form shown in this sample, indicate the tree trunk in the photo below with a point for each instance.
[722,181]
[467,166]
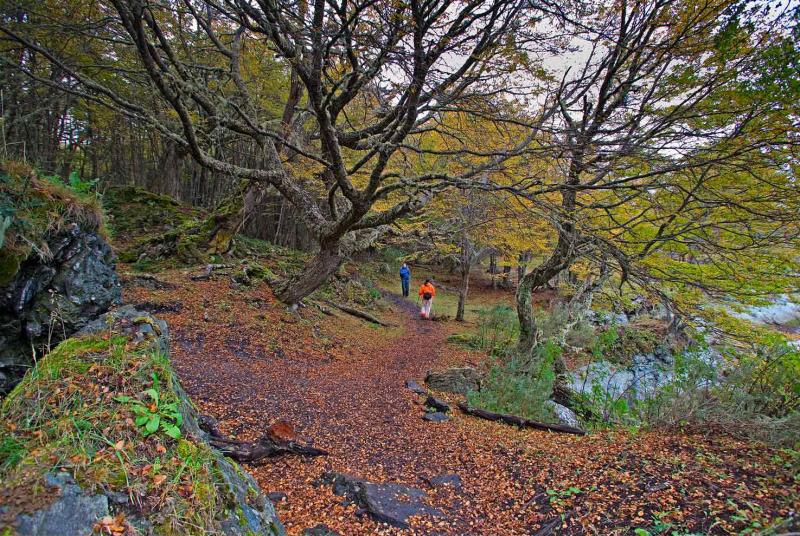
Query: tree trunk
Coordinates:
[524,259]
[462,294]
[313,275]
[532,281]
[506,277]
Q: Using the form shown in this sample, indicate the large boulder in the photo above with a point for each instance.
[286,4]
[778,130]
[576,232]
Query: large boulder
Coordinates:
[641,379]
[73,512]
[459,380]
[112,362]
[53,295]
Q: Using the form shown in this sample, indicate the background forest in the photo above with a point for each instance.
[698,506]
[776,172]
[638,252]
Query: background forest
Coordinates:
[604,192]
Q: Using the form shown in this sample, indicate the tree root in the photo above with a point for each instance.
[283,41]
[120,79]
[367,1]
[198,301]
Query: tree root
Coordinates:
[358,314]
[519,421]
[280,439]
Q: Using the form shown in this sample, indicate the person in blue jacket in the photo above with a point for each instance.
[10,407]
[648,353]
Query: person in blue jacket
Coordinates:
[405,278]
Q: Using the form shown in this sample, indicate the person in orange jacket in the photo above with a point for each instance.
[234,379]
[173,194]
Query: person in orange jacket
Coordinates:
[426,293]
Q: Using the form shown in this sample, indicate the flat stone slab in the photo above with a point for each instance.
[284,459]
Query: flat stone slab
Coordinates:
[415,387]
[445,480]
[387,502]
[436,416]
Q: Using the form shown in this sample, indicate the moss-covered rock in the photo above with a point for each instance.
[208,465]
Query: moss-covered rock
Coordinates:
[70,437]
[134,213]
[154,230]
[57,271]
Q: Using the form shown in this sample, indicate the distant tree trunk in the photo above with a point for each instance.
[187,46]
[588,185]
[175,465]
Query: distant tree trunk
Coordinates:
[465,267]
[493,269]
[462,294]
[506,276]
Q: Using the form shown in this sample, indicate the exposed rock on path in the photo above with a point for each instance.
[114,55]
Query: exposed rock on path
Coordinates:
[459,380]
[387,502]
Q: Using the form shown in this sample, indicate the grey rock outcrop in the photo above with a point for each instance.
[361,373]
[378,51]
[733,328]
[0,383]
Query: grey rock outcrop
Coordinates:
[47,301]
[454,380]
[563,414]
[74,512]
[645,376]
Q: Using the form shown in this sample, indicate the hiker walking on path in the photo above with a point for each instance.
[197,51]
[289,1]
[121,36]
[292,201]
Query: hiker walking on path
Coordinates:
[426,292]
[405,278]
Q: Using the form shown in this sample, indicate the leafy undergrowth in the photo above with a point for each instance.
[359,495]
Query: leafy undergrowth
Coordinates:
[76,411]
[248,362]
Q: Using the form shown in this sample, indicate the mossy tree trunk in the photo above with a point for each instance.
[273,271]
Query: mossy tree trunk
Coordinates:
[313,275]
[216,234]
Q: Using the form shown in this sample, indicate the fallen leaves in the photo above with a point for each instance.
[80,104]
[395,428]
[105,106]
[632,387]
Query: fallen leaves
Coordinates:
[340,381]
[114,526]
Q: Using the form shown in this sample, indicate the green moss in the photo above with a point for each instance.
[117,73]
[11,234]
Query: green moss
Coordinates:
[9,266]
[240,516]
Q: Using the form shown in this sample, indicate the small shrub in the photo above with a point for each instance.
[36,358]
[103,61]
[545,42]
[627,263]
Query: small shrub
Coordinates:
[520,386]
[752,394]
[157,414]
[498,329]
[604,342]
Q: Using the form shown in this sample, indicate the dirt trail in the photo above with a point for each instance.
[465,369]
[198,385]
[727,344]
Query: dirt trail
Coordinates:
[341,382]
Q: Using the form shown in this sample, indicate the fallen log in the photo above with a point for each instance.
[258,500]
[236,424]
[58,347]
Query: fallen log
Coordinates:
[279,439]
[519,421]
[206,274]
[358,314]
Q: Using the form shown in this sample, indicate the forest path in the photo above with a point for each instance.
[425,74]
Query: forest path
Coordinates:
[340,381]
